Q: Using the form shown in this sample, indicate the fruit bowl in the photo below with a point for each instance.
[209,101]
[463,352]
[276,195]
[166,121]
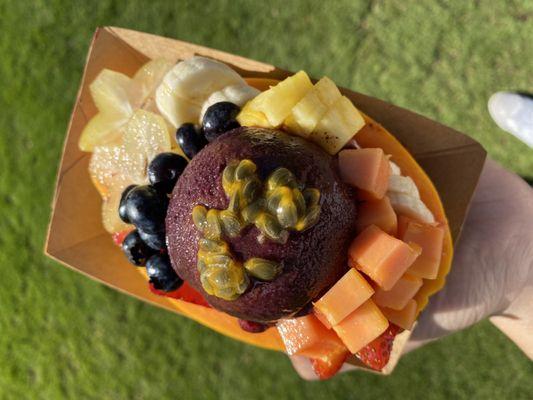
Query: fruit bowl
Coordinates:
[78,239]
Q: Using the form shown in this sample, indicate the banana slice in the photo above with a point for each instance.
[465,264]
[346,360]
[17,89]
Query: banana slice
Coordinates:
[411,207]
[187,86]
[404,185]
[237,94]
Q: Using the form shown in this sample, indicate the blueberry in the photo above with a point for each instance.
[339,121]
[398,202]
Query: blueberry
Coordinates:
[135,249]
[220,118]
[146,208]
[161,273]
[122,206]
[165,169]
[156,241]
[190,139]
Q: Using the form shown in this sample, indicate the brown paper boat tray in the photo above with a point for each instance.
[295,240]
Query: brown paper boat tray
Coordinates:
[76,237]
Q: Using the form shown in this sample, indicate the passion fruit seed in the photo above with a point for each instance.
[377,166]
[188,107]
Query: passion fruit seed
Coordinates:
[275,196]
[311,196]
[299,201]
[281,177]
[234,202]
[213,246]
[250,190]
[310,219]
[228,177]
[231,223]
[245,169]
[199,217]
[269,226]
[262,269]
[274,207]
[213,229]
[287,213]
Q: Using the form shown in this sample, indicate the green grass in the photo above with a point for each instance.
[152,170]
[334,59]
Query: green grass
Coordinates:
[64,336]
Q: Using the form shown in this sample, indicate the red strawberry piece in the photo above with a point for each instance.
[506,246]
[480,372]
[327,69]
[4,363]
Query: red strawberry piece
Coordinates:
[376,354]
[252,327]
[185,292]
[118,237]
[328,366]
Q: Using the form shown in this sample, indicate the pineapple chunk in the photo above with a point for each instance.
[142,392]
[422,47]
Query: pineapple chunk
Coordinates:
[250,117]
[277,102]
[338,126]
[311,108]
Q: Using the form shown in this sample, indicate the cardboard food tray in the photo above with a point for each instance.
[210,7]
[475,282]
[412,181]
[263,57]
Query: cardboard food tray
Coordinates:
[76,237]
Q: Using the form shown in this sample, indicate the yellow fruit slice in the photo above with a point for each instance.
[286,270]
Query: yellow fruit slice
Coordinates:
[146,80]
[145,136]
[102,130]
[110,92]
[276,103]
[250,117]
[338,126]
[311,108]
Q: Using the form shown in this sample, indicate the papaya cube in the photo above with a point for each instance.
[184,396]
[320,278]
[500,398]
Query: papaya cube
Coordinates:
[362,326]
[379,213]
[404,318]
[400,294]
[430,238]
[307,336]
[366,169]
[321,317]
[345,296]
[381,256]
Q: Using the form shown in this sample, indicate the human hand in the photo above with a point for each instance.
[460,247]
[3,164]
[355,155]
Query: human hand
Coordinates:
[492,272]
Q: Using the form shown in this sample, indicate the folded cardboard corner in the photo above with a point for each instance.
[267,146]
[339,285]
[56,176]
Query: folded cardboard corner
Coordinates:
[76,237]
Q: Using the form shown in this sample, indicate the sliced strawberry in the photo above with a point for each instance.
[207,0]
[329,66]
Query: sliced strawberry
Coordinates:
[185,293]
[327,367]
[376,354]
[118,237]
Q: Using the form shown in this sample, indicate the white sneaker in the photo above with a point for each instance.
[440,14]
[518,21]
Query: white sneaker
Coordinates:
[513,113]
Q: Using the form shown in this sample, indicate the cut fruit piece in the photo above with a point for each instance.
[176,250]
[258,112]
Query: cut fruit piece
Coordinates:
[328,366]
[110,93]
[381,256]
[237,94]
[365,169]
[321,317]
[110,218]
[404,318]
[411,207]
[311,108]
[430,238]
[102,130]
[146,80]
[379,213]
[111,167]
[276,103]
[338,126]
[400,294]
[145,136]
[361,326]
[344,297]
[377,353]
[403,184]
[250,117]
[307,336]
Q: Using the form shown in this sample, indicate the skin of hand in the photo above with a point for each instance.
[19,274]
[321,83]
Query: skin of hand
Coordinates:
[492,272]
